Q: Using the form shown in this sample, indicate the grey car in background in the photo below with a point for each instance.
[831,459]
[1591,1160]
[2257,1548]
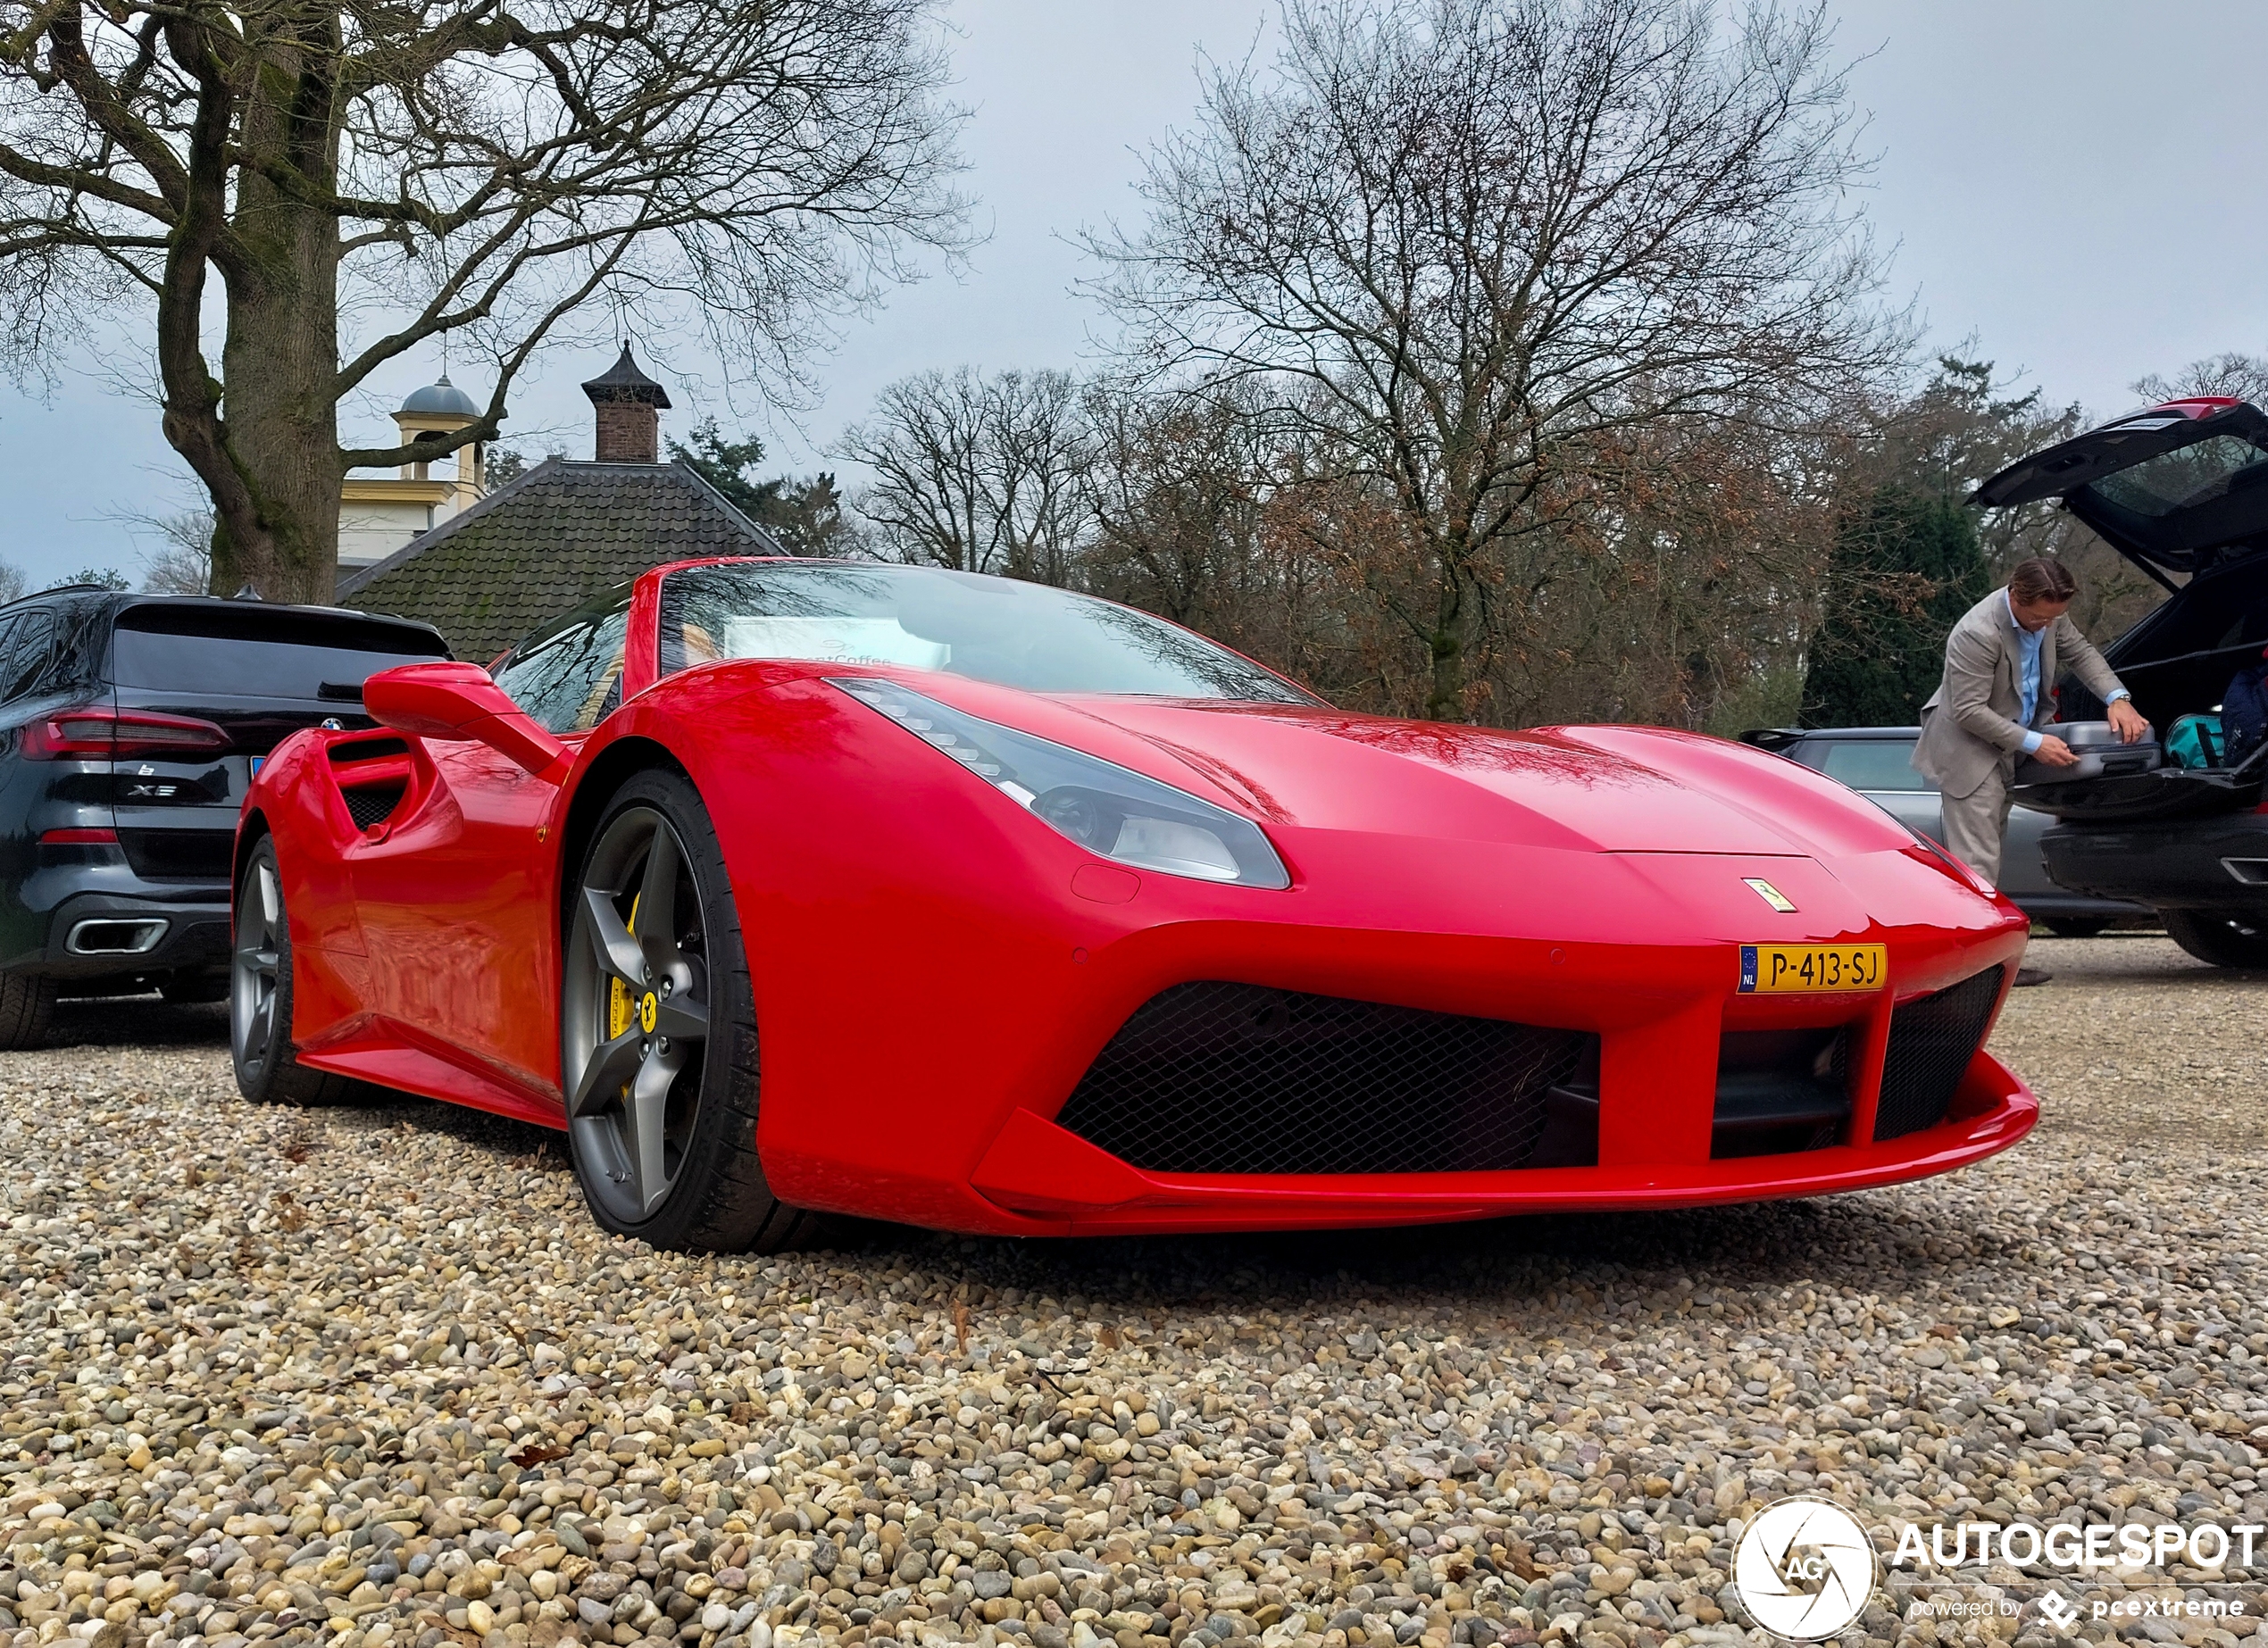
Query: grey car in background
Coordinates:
[1877,763]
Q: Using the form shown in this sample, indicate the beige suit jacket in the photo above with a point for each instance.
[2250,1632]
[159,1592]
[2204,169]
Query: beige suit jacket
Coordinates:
[1969,727]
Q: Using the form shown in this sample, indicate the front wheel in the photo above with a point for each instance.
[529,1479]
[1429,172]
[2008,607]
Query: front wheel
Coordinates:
[268,1068]
[2225,940]
[658,1033]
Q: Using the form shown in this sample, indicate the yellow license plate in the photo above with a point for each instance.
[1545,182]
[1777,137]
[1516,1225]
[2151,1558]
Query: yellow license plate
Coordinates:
[1792,969]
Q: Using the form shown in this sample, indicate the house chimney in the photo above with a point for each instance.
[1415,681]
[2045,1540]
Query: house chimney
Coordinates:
[629,413]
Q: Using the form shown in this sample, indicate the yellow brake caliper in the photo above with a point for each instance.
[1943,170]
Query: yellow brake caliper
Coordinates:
[620,1011]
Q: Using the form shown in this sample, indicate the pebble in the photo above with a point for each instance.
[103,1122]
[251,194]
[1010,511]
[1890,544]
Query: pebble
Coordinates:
[372,1373]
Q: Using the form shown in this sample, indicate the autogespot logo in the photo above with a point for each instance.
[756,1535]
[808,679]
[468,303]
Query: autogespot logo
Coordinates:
[1805,1568]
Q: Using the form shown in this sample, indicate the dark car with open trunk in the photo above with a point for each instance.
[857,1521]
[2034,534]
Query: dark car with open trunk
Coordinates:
[129,728]
[2181,491]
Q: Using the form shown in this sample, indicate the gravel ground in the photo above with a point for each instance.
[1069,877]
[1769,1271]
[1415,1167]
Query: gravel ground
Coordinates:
[371,1375]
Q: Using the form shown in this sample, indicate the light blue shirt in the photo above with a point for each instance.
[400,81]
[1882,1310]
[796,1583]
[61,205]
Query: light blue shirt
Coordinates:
[2028,642]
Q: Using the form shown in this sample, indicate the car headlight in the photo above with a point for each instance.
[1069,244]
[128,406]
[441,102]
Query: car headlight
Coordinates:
[1106,808]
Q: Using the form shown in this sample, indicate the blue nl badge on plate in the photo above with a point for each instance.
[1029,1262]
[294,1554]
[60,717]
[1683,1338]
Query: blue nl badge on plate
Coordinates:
[258,759]
[1747,968]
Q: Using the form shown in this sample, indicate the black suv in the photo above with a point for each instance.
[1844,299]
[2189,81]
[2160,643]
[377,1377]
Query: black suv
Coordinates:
[129,728]
[2181,490]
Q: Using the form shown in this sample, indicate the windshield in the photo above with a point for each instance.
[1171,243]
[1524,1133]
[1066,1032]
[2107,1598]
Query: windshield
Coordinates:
[994,629]
[2183,477]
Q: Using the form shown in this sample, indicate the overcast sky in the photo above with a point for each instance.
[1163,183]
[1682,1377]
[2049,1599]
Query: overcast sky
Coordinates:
[2077,184]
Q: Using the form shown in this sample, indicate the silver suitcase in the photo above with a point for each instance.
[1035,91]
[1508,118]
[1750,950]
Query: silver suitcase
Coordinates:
[2100,755]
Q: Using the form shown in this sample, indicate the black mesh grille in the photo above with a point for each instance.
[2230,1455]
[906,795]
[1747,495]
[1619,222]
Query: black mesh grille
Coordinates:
[371,803]
[1240,1079]
[1931,1042]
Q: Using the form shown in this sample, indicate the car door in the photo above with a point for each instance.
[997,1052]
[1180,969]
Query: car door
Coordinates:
[458,892]
[454,893]
[23,786]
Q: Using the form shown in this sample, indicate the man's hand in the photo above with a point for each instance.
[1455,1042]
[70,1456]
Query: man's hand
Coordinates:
[2127,721]
[2055,751]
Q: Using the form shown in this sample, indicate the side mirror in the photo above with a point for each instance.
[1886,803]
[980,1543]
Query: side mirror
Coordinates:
[459,703]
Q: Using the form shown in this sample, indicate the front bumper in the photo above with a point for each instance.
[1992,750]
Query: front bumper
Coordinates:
[943,1112]
[1039,1170]
[2218,863]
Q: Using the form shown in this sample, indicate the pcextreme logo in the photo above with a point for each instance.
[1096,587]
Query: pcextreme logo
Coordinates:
[1805,1568]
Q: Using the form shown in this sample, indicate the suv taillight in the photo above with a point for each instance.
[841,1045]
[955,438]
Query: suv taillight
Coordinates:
[97,732]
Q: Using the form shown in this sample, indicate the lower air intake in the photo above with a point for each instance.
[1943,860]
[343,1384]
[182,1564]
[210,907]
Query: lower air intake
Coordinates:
[1214,1077]
[1779,1090]
[1932,1042]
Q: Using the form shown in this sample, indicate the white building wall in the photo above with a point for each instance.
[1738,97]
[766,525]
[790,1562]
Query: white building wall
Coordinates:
[370,532]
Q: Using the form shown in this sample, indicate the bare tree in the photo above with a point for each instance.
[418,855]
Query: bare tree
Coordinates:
[179,560]
[979,473]
[1176,487]
[2234,372]
[365,176]
[1461,243]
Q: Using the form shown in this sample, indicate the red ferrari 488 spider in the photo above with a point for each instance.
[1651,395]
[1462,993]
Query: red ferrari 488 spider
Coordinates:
[790,887]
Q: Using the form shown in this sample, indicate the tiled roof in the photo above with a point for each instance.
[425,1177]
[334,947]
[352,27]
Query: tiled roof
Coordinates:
[547,543]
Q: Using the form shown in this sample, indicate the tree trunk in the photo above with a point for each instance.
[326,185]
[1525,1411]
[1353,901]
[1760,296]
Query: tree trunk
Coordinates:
[279,358]
[277,363]
[1445,698]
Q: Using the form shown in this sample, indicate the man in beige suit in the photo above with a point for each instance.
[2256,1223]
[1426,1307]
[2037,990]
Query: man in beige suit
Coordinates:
[2001,665]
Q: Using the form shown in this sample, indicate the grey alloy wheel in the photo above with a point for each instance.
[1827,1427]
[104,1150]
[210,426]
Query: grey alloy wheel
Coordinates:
[255,990]
[260,987]
[635,1031]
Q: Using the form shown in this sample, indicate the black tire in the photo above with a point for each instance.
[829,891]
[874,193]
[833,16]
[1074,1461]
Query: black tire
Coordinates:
[268,1068]
[189,989]
[2078,927]
[2225,940]
[658,1033]
[27,1010]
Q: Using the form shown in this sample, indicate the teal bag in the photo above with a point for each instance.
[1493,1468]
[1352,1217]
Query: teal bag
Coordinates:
[2195,741]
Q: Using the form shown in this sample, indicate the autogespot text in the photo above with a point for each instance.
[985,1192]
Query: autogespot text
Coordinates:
[2020,1544]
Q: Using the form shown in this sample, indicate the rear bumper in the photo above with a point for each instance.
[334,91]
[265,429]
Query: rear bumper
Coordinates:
[2163,794]
[2054,906]
[121,926]
[2183,864]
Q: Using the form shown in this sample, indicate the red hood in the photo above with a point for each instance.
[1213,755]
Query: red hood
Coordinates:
[1610,789]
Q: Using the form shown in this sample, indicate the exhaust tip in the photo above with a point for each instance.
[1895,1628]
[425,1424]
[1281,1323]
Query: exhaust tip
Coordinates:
[109,935]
